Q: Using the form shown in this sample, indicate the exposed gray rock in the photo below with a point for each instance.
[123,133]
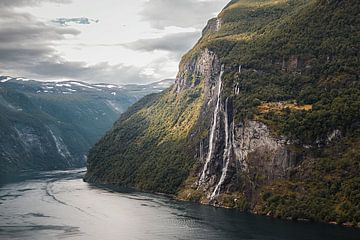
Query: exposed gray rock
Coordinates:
[238,153]
[205,66]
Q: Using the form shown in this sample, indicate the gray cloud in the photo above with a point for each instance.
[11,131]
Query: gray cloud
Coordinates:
[79,20]
[23,28]
[102,72]
[183,13]
[44,64]
[19,3]
[24,40]
[176,43]
[27,48]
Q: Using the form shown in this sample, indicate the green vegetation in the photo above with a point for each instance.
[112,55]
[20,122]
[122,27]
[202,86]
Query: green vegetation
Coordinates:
[293,53]
[148,148]
[324,189]
[300,53]
[32,112]
[26,140]
[309,56]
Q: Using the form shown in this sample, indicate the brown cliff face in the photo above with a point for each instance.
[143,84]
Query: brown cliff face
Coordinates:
[232,156]
[238,156]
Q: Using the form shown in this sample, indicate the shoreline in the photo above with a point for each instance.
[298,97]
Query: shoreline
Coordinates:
[116,187]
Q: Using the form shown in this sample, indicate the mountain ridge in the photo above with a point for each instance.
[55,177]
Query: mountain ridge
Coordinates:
[51,125]
[263,116]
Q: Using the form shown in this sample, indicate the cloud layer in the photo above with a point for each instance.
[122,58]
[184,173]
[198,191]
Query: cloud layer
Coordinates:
[29,47]
[180,13]
[176,43]
[20,3]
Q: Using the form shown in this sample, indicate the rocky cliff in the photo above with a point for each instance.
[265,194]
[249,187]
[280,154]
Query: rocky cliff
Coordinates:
[234,154]
[263,116]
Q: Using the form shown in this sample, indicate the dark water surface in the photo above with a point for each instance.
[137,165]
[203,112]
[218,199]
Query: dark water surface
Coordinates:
[59,205]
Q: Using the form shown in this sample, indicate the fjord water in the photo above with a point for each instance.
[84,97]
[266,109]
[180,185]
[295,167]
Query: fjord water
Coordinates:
[59,205]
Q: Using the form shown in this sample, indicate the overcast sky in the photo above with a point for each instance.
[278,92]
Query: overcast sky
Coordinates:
[113,41]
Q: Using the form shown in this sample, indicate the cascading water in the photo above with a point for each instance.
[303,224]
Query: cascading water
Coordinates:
[218,24]
[227,151]
[236,89]
[213,129]
[201,151]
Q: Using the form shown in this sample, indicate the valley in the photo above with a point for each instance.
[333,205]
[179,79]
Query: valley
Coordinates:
[52,125]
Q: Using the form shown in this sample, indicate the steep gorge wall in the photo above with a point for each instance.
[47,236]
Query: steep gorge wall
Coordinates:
[260,117]
[232,156]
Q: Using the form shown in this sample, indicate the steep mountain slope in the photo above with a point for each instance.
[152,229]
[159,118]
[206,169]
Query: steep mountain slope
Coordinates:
[47,125]
[264,116]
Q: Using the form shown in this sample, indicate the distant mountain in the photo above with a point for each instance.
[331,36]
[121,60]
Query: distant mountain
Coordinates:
[51,125]
[140,91]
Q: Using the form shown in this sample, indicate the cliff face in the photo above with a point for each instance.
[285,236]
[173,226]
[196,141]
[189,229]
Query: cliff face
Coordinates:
[203,68]
[234,154]
[262,116]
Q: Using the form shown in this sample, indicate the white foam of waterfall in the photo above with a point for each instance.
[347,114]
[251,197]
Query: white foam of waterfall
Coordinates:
[227,151]
[218,24]
[201,151]
[236,89]
[226,119]
[60,146]
[213,129]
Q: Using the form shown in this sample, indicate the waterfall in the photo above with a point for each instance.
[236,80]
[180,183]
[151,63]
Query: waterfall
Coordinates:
[227,151]
[236,89]
[61,147]
[218,24]
[226,119]
[213,129]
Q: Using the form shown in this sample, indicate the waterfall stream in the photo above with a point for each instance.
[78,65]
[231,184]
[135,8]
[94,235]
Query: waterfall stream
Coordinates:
[213,129]
[218,24]
[227,151]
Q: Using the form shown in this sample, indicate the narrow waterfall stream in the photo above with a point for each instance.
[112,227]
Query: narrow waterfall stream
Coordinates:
[227,151]
[218,24]
[213,129]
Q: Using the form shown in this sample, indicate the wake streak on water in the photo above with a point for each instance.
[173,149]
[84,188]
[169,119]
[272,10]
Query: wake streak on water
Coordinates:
[53,196]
